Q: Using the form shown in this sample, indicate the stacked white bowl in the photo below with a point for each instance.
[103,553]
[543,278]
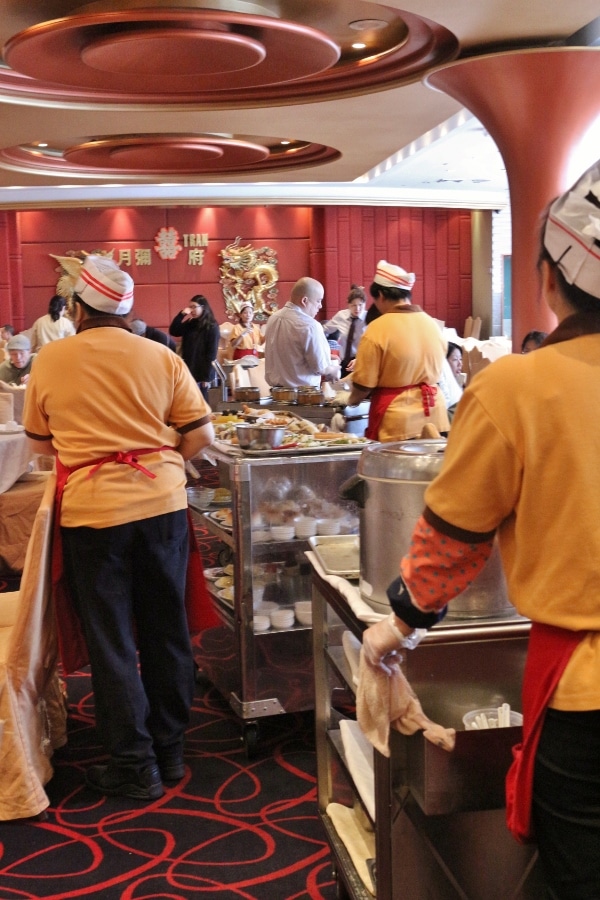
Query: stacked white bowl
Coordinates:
[262,623]
[282,618]
[328,526]
[306,527]
[303,610]
[283,532]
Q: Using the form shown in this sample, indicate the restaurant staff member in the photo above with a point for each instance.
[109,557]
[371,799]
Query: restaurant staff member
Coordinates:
[246,336]
[350,324]
[122,414]
[399,362]
[16,369]
[522,462]
[296,350]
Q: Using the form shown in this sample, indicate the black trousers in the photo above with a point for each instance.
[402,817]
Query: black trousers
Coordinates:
[566,804]
[128,586]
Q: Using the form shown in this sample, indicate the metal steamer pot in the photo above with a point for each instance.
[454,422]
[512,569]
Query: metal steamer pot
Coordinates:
[389,489]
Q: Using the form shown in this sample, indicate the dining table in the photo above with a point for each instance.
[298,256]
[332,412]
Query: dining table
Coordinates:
[20,495]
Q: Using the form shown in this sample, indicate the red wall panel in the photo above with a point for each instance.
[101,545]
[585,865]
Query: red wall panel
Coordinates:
[338,245]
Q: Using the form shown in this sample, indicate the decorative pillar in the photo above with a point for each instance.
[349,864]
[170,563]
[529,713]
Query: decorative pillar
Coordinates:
[537,105]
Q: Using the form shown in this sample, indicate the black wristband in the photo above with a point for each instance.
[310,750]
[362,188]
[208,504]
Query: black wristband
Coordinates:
[402,606]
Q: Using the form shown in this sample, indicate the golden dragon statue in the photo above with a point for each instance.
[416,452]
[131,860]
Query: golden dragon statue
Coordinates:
[249,275]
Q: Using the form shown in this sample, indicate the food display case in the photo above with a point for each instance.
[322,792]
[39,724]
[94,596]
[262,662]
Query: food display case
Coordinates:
[434,826]
[264,667]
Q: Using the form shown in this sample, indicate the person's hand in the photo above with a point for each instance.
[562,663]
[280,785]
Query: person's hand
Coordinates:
[24,379]
[381,642]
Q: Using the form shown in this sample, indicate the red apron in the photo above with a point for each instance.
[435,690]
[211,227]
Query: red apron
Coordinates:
[381,399]
[550,649]
[239,353]
[72,646]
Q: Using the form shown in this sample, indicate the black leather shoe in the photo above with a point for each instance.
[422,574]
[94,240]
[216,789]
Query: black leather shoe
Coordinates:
[144,785]
[172,768]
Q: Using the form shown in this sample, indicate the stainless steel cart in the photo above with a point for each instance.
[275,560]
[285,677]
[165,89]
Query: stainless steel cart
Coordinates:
[439,824]
[266,673]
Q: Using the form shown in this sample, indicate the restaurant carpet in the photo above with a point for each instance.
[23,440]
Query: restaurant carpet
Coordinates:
[232,828]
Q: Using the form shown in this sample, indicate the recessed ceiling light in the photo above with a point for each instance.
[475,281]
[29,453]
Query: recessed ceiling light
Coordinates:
[367,24]
[358,46]
[42,144]
[286,142]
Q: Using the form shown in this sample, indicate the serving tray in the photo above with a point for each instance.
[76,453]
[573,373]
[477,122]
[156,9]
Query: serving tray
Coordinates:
[338,554]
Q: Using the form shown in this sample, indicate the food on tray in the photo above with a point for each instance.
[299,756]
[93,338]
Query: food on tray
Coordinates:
[222,495]
[224,517]
[299,432]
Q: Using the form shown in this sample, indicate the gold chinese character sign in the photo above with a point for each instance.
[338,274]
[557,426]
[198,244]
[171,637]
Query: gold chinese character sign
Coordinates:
[248,275]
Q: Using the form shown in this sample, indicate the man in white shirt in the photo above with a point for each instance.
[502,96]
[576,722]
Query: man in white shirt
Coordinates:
[296,350]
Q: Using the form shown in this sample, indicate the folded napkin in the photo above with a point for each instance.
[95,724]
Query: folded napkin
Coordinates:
[348,591]
[387,701]
[359,842]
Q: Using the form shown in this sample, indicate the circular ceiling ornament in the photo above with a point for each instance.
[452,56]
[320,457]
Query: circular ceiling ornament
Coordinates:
[186,54]
[191,54]
[146,156]
[98,51]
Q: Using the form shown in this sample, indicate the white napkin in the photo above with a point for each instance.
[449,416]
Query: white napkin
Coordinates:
[348,591]
[359,759]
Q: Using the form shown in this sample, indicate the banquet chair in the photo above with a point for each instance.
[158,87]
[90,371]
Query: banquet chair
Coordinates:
[32,707]
[7,408]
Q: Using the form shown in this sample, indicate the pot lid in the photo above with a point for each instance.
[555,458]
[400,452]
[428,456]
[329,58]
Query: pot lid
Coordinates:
[418,460]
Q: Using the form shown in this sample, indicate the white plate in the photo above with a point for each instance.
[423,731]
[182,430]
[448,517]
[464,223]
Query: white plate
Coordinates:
[213,574]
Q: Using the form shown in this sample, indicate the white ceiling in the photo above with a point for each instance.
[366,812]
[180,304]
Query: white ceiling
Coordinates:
[404,144]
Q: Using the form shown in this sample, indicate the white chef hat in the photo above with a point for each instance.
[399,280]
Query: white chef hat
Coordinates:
[572,232]
[388,275]
[104,286]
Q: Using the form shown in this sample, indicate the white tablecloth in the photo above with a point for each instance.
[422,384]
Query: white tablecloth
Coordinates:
[15,457]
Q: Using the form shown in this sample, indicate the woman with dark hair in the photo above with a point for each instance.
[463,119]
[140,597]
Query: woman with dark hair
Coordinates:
[521,462]
[53,326]
[199,333]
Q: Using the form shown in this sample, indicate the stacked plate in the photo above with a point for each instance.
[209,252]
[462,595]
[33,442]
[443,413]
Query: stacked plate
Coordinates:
[282,618]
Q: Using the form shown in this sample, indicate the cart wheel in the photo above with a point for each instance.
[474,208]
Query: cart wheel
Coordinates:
[225,556]
[250,737]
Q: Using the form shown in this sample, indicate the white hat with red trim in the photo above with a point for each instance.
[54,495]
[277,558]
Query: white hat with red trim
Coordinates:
[572,232]
[104,286]
[388,275]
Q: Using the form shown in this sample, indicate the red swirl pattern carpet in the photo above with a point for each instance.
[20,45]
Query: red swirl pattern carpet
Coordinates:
[232,828]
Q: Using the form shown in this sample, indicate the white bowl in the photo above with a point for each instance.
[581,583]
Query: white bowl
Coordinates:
[305,618]
[328,526]
[306,527]
[281,621]
[262,623]
[303,606]
[282,532]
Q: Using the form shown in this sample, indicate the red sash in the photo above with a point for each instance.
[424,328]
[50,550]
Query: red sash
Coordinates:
[381,398]
[72,646]
[550,649]
[239,353]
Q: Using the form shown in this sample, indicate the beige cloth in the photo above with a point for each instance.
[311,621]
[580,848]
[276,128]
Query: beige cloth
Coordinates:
[18,507]
[388,701]
[31,702]
[7,408]
[15,457]
[359,842]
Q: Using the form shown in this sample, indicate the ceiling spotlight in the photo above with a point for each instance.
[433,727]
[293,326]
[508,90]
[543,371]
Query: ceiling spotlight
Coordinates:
[359,45]
[285,142]
[367,24]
